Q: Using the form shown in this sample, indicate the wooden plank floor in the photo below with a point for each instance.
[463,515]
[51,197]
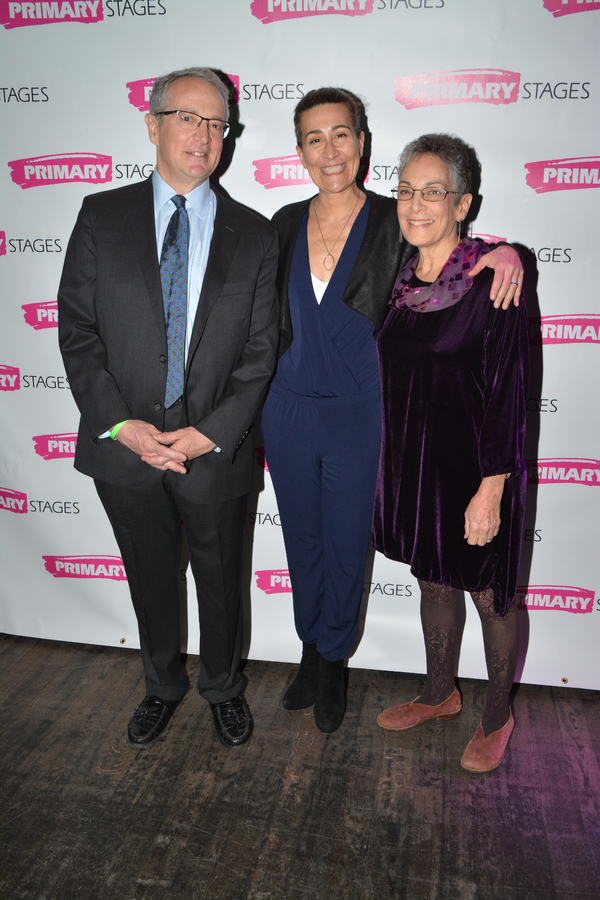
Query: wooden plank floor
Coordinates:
[297,815]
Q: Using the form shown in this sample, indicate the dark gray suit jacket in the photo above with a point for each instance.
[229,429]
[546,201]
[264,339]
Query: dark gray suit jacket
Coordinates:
[113,340]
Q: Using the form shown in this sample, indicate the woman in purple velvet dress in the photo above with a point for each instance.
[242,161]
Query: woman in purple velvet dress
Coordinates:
[451,482]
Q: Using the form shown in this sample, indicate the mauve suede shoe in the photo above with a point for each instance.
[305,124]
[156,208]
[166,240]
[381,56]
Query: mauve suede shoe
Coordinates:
[407,715]
[484,754]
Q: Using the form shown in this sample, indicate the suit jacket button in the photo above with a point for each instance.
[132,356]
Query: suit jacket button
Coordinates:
[158,407]
[162,358]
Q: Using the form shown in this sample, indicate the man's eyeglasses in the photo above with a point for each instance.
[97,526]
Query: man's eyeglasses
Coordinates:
[432,195]
[189,121]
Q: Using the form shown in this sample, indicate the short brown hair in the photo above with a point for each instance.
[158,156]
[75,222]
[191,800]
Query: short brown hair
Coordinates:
[320,97]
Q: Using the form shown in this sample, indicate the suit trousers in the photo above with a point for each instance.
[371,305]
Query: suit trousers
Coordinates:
[323,455]
[146,519]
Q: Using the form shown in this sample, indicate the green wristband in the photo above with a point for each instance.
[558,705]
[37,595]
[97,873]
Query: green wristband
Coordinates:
[114,432]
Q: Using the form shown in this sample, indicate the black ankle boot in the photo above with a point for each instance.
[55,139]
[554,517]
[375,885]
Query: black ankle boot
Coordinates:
[330,704]
[303,689]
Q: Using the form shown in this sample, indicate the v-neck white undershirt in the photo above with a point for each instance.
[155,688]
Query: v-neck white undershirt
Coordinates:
[319,287]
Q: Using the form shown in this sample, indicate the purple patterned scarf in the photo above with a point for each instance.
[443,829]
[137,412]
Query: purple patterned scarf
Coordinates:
[450,286]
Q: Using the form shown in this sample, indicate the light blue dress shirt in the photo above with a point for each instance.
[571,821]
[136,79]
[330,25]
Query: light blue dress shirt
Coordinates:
[201,205]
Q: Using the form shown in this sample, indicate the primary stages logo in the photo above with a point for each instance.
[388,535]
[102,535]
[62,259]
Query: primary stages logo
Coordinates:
[255,517]
[555,596]
[16,15]
[139,91]
[558,470]
[566,7]
[277,91]
[29,245]
[86,567]
[63,168]
[280,171]
[274,581]
[41,315]
[563,174]
[496,86]
[55,446]
[10,378]
[560,90]
[13,501]
[578,329]
[49,382]
[134,8]
[278,10]
[24,94]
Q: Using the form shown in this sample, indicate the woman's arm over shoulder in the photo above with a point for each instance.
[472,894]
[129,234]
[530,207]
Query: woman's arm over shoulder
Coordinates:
[508,274]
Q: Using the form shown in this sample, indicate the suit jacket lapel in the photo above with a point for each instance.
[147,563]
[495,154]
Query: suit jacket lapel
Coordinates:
[141,231]
[222,248]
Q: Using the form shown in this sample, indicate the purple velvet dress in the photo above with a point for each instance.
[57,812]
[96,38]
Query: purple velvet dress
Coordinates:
[454,386]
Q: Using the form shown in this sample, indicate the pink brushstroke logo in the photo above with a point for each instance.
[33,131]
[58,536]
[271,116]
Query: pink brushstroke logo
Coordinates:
[560,8]
[17,15]
[261,459]
[2,243]
[274,581]
[13,501]
[55,446]
[279,10]
[496,86]
[10,378]
[575,174]
[555,596]
[560,470]
[139,91]
[488,238]
[86,567]
[41,315]
[63,168]
[578,329]
[280,171]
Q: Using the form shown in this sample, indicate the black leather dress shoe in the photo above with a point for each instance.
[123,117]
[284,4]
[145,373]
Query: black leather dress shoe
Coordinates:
[150,720]
[233,721]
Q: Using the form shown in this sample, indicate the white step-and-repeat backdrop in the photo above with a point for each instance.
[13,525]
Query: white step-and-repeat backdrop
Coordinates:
[518,80]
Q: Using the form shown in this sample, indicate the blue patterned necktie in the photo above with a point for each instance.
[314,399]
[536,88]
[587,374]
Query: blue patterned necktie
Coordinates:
[174,278]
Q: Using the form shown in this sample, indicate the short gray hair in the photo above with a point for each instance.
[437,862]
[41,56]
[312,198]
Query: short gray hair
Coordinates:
[457,156]
[161,86]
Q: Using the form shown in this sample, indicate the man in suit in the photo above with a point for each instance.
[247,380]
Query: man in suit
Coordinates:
[168,330]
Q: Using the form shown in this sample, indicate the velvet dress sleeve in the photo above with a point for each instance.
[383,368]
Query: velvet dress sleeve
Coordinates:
[506,373]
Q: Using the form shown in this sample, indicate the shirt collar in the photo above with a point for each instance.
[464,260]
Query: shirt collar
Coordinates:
[199,199]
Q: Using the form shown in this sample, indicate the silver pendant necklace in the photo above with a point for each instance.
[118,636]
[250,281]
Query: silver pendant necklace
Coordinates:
[329,258]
